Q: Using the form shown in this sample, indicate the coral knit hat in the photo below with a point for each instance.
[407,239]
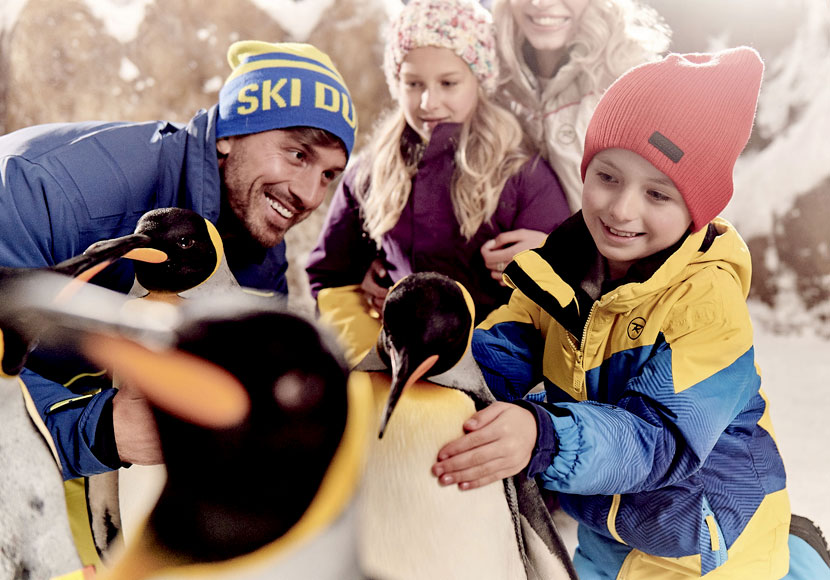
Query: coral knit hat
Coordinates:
[689,115]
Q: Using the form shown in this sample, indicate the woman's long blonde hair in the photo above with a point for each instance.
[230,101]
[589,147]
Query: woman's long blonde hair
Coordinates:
[491,148]
[613,36]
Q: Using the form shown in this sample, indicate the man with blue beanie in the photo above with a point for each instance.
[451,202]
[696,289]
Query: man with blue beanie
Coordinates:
[255,164]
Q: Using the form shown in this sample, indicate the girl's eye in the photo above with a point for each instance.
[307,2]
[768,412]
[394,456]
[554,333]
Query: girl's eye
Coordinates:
[185,243]
[657,196]
[604,177]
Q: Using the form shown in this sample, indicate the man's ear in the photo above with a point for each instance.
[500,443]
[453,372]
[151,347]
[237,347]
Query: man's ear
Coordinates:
[223,147]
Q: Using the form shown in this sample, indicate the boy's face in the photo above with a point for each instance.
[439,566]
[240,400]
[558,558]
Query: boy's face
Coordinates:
[631,208]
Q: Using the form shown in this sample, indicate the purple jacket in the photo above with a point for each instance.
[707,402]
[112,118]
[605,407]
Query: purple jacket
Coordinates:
[427,236]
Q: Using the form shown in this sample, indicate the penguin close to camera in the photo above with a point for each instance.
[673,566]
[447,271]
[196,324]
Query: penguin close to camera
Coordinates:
[410,526]
[189,262]
[36,540]
[263,434]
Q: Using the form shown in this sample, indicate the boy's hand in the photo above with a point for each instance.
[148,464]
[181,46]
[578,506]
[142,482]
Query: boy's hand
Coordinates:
[498,443]
[499,251]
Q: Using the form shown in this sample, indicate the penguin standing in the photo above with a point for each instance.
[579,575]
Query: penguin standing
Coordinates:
[35,536]
[410,526]
[186,260]
[263,438]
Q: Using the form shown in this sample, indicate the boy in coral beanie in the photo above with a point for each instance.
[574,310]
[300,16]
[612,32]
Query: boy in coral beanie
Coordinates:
[654,430]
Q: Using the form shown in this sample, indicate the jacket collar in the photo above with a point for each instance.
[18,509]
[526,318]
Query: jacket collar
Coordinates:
[567,283]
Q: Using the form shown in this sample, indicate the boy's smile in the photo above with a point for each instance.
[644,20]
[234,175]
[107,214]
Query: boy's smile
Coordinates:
[631,208]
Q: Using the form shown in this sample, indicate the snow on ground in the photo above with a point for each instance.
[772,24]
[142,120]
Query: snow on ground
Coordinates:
[795,369]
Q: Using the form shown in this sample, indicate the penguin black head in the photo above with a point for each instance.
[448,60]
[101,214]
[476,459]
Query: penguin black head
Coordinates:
[427,326]
[191,243]
[234,488]
[17,336]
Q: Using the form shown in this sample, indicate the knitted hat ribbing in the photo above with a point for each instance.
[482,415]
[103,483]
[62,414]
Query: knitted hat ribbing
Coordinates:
[277,86]
[463,26]
[690,115]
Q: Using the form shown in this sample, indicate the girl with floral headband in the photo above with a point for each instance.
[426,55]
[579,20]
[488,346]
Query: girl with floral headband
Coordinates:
[446,172]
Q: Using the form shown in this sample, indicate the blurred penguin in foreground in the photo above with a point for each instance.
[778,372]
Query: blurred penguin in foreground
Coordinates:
[262,438]
[411,527]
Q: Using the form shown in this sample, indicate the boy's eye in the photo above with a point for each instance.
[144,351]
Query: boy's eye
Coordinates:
[657,196]
[604,177]
[298,155]
[329,175]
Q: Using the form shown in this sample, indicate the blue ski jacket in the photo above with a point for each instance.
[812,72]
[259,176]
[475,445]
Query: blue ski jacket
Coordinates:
[65,186]
[655,431]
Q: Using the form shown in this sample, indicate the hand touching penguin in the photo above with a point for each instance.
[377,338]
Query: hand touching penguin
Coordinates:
[411,527]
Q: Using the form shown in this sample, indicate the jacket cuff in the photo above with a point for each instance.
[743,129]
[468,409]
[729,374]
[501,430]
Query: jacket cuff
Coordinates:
[546,442]
[104,447]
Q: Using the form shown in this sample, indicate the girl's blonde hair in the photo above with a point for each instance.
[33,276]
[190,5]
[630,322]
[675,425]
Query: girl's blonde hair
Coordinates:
[491,148]
[613,36]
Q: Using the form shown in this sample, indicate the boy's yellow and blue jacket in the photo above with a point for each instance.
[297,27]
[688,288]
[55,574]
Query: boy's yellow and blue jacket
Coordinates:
[655,430]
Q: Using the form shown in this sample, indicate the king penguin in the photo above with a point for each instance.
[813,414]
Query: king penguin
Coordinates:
[37,541]
[411,527]
[263,434]
[183,259]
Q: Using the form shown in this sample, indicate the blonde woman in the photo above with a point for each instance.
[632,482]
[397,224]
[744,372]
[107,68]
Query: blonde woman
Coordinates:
[557,57]
[445,173]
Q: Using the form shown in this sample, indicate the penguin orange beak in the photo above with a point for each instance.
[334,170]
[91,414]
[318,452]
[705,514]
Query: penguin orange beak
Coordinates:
[133,246]
[401,379]
[181,384]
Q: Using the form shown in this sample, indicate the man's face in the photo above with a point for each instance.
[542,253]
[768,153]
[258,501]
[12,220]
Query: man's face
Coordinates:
[275,179]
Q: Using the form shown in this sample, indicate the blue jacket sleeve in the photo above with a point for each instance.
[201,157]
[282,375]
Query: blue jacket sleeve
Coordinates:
[509,356]
[73,421]
[653,436]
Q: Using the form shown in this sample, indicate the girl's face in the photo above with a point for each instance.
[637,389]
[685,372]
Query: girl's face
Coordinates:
[435,86]
[548,25]
[631,208]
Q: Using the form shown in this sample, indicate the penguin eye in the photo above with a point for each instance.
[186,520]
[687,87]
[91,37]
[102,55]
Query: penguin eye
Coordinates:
[297,391]
[185,243]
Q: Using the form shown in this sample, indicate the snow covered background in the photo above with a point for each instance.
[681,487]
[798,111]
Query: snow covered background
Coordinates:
[66,60]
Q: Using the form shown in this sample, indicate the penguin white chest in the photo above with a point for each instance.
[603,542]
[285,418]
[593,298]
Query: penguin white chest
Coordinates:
[410,526]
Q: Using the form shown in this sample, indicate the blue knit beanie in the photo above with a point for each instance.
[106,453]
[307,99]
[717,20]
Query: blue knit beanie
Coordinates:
[277,86]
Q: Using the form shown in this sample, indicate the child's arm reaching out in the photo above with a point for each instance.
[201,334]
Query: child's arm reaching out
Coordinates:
[497,443]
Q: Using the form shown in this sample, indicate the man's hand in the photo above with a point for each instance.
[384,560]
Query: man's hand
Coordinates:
[499,251]
[136,435]
[498,443]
